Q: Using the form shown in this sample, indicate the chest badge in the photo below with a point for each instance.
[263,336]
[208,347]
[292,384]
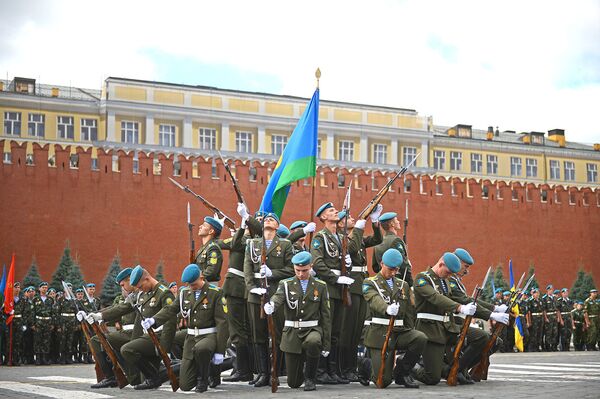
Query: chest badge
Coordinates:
[205,303]
[316,294]
[153,302]
[278,249]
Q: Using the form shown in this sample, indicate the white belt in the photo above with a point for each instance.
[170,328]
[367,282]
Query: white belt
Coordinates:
[235,271]
[336,272]
[358,269]
[430,316]
[127,327]
[157,329]
[201,331]
[43,318]
[301,324]
[213,282]
[385,322]
[68,314]
[258,275]
[367,322]
[537,314]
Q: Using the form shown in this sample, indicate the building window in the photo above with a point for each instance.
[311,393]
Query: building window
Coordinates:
[439,160]
[341,180]
[89,130]
[407,186]
[252,173]
[278,143]
[455,160]
[516,166]
[373,183]
[28,159]
[492,164]
[569,170]
[213,169]
[346,151]
[485,191]
[7,157]
[544,196]
[35,127]
[408,155]
[66,130]
[94,163]
[243,142]
[136,163]
[379,153]
[176,168]
[531,167]
[592,173]
[207,138]
[318,148]
[166,135]
[12,123]
[554,170]
[129,132]
[74,161]
[476,163]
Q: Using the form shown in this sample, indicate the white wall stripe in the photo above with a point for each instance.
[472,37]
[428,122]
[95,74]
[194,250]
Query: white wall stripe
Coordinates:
[549,368]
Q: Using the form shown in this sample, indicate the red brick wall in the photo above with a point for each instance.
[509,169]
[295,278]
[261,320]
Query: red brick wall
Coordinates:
[143,216]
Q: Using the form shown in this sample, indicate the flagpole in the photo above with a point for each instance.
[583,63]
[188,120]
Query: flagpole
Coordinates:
[10,344]
[314,179]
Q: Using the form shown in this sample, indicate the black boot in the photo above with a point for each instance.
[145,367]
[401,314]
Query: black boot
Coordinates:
[63,358]
[334,371]
[365,368]
[242,372]
[109,382]
[90,359]
[402,370]
[214,378]
[69,358]
[152,380]
[38,359]
[47,360]
[79,358]
[468,360]
[464,378]
[310,372]
[323,376]
[263,366]
[202,369]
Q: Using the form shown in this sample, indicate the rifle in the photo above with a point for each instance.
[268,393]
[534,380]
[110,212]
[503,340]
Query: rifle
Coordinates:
[383,191]
[405,222]
[69,296]
[161,351]
[346,299]
[236,188]
[191,230]
[452,375]
[388,334]
[91,300]
[227,220]
[480,371]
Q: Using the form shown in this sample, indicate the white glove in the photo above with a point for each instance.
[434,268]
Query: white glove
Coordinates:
[500,309]
[258,291]
[309,228]
[24,328]
[147,323]
[265,271]
[242,210]
[92,317]
[81,315]
[392,309]
[221,221]
[360,224]
[12,312]
[376,213]
[344,280]
[269,308]
[348,260]
[500,317]
[324,353]
[217,359]
[468,309]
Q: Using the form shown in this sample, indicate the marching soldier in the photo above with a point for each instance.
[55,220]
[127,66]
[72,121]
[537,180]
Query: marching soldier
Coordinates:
[565,306]
[278,266]
[44,310]
[326,249]
[551,319]
[389,296]
[307,330]
[209,257]
[523,310]
[354,317]
[436,316]
[391,239]
[535,321]
[578,327]
[591,308]
[205,309]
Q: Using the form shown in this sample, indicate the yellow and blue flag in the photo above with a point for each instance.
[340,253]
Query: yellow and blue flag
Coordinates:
[519,329]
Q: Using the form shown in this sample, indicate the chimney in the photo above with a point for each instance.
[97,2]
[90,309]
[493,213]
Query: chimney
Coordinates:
[490,133]
[526,138]
[497,133]
[55,92]
[558,136]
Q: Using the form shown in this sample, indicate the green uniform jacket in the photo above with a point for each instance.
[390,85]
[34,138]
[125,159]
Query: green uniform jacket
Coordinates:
[314,305]
[357,245]
[234,284]
[118,311]
[578,318]
[430,298]
[549,305]
[128,316]
[44,310]
[379,295]
[326,253]
[209,310]
[28,310]
[151,303]
[390,240]
[592,306]
[278,259]
[565,305]
[210,259]
[459,295]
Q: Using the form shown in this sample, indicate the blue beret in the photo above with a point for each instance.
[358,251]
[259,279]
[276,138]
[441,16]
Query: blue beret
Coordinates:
[593,290]
[297,224]
[123,274]
[451,261]
[464,256]
[579,302]
[323,207]
[283,231]
[51,290]
[302,258]
[534,290]
[136,275]
[43,283]
[214,223]
[30,288]
[16,284]
[173,284]
[272,216]
[91,285]
[556,292]
[506,293]
[342,215]
[564,290]
[79,290]
[392,258]
[387,216]
[498,290]
[190,273]
[69,285]
[549,286]
[259,214]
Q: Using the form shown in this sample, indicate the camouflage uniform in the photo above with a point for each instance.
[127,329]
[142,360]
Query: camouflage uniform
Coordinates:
[592,308]
[565,305]
[550,325]
[44,311]
[68,324]
[579,330]
[28,311]
[523,309]
[17,333]
[536,327]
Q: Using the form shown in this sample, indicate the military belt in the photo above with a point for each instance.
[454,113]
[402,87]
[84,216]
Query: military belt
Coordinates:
[201,331]
[537,314]
[17,316]
[565,313]
[301,324]
[235,271]
[431,316]
[158,329]
[576,322]
[359,269]
[68,314]
[595,315]
[213,282]
[384,322]
[128,327]
[336,272]
[258,276]
[367,322]
[43,318]
[462,316]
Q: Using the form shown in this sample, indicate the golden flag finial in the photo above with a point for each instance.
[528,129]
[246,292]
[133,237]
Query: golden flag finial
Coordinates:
[318,76]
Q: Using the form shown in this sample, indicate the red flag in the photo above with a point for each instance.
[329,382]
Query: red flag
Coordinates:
[9,299]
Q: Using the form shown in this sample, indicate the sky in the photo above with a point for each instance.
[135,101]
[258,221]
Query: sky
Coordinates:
[519,65]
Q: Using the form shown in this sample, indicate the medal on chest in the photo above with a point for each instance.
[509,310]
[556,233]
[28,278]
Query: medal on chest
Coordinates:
[205,303]
[316,294]
[152,302]
[278,249]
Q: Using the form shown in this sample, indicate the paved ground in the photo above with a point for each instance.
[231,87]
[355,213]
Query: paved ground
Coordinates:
[523,375]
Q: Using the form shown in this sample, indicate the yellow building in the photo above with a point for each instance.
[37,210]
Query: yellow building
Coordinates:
[154,116]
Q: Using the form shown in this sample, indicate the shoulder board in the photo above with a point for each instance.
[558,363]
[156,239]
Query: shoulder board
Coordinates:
[452,283]
[320,281]
[289,279]
[228,240]
[162,288]
[213,287]
[284,240]
[420,281]
[371,278]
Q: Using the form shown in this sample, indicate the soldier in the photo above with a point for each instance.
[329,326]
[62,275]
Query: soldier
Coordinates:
[209,257]
[278,266]
[43,308]
[436,316]
[28,311]
[535,321]
[389,296]
[54,350]
[523,310]
[173,288]
[307,330]
[354,316]
[326,249]
[91,292]
[66,313]
[391,239]
[591,308]
[565,306]
[305,228]
[18,328]
[205,309]
[551,319]
[579,329]
[80,347]
[508,333]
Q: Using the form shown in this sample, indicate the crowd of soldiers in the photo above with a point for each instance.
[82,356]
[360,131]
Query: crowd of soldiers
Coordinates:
[286,301]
